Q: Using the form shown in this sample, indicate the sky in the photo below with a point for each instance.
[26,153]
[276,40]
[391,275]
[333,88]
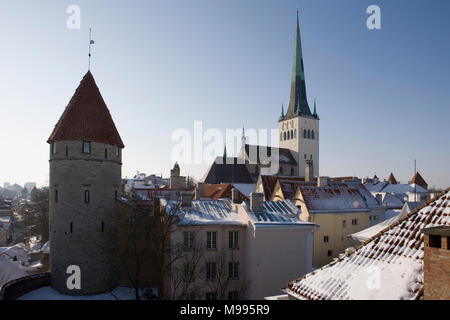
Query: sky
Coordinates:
[382,95]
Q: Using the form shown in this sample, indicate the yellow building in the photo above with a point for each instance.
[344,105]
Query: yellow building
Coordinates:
[339,209]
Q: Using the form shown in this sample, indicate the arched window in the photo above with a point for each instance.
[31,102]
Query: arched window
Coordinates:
[312,134]
[309,134]
[304,133]
[292,133]
[285,135]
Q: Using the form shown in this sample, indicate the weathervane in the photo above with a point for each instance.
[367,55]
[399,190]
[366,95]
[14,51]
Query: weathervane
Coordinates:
[91,42]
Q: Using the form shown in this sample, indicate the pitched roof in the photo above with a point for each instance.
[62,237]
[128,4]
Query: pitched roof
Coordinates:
[417,179]
[396,254]
[87,117]
[284,155]
[289,187]
[227,170]
[268,183]
[220,191]
[392,179]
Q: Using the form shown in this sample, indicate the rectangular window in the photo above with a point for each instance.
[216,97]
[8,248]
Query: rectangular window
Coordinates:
[326,239]
[233,270]
[330,253]
[86,196]
[233,239]
[106,153]
[188,240]
[434,241]
[211,296]
[56,196]
[71,227]
[344,223]
[233,295]
[211,240]
[355,222]
[117,151]
[53,147]
[67,151]
[211,271]
[86,147]
[103,226]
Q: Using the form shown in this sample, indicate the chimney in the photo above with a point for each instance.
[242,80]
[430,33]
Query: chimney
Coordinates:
[256,202]
[322,181]
[379,198]
[235,195]
[309,172]
[186,199]
[436,261]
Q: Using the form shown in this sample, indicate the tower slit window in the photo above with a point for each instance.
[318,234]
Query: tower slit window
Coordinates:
[56,196]
[67,151]
[86,196]
[71,227]
[106,153]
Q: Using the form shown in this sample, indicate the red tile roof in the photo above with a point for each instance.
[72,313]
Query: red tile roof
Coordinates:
[392,179]
[220,191]
[417,179]
[269,182]
[86,117]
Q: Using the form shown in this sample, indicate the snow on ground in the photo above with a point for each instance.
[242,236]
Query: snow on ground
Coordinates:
[48,293]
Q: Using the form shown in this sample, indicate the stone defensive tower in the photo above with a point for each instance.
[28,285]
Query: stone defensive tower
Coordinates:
[85,179]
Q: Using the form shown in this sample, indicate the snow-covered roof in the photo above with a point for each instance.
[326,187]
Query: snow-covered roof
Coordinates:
[210,212]
[376,187]
[245,188]
[388,266]
[403,188]
[276,213]
[389,200]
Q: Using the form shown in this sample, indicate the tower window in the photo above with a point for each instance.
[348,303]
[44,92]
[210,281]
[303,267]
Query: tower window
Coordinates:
[117,151]
[71,227]
[103,226]
[292,133]
[330,253]
[309,134]
[56,196]
[305,155]
[284,135]
[106,153]
[86,196]
[67,151]
[53,147]
[86,147]
[304,133]
[312,134]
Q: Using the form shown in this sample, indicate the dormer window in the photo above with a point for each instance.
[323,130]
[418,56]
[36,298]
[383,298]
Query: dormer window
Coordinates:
[86,147]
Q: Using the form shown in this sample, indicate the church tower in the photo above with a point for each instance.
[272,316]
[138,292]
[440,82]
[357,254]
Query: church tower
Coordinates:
[85,180]
[299,128]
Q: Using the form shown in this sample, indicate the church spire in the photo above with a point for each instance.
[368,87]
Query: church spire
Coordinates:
[298,103]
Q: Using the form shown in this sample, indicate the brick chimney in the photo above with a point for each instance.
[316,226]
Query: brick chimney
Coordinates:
[235,195]
[436,263]
[256,202]
[309,172]
[186,199]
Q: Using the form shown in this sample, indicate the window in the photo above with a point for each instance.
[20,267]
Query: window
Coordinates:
[188,272]
[188,240]
[434,241]
[284,133]
[211,271]
[326,239]
[312,134]
[309,134]
[330,253]
[56,196]
[71,227]
[117,151]
[103,226]
[344,223]
[288,135]
[354,222]
[53,147]
[211,240]
[292,133]
[86,196]
[211,296]
[106,153]
[233,270]
[304,133]
[67,151]
[305,155]
[86,147]
[310,157]
[233,240]
[233,295]
[115,194]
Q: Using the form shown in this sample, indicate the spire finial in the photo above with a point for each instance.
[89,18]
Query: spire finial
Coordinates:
[91,42]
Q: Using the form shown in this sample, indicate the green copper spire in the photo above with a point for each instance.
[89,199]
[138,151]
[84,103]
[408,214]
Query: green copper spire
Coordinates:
[298,104]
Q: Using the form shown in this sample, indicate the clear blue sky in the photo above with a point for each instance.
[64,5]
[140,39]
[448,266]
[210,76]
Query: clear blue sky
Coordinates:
[383,96]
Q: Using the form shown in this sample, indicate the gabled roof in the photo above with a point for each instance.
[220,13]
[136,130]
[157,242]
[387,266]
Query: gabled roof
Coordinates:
[289,187]
[396,254]
[227,170]
[86,117]
[220,191]
[254,151]
[392,179]
[417,179]
[268,183]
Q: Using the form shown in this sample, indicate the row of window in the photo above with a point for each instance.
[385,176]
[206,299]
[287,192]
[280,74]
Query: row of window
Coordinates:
[292,134]
[86,149]
[211,240]
[211,271]
[87,196]
[232,295]
[102,227]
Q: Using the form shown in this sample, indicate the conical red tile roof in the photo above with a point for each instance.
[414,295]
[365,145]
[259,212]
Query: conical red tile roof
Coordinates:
[392,179]
[417,179]
[86,117]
